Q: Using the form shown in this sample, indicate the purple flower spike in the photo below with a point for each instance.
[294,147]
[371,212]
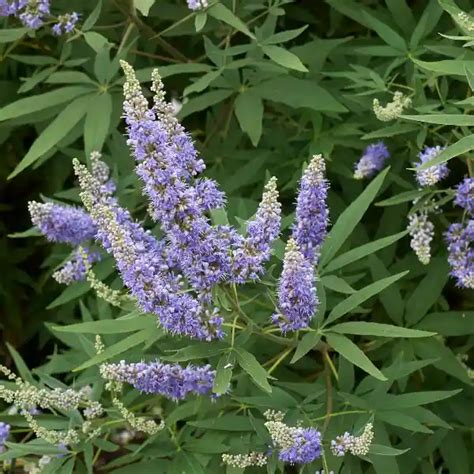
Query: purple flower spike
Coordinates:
[312,215]
[169,380]
[296,292]
[371,161]
[65,224]
[460,240]
[254,250]
[465,195]
[433,174]
[4,433]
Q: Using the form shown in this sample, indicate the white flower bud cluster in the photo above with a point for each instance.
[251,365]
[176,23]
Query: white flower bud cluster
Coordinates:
[465,21]
[33,468]
[356,445]
[113,297]
[26,396]
[282,435]
[245,460]
[421,231]
[391,110]
[463,358]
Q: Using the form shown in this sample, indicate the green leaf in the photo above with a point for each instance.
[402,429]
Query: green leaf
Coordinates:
[70,77]
[97,123]
[362,251]
[413,399]
[54,132]
[464,145]
[446,67]
[443,119]
[144,75]
[123,345]
[203,82]
[449,323]
[22,368]
[220,12]
[298,93]
[380,450]
[284,36]
[390,36]
[347,305]
[337,284]
[39,102]
[70,293]
[203,101]
[143,6]
[347,349]
[128,323]
[402,420]
[95,40]
[250,364]
[248,109]
[407,196]
[223,373]
[428,291]
[200,21]
[308,341]
[378,329]
[91,20]
[12,34]
[348,220]
[390,131]
[195,352]
[224,423]
[284,57]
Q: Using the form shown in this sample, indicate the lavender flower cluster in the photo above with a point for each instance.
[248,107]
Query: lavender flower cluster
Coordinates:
[4,433]
[460,237]
[34,13]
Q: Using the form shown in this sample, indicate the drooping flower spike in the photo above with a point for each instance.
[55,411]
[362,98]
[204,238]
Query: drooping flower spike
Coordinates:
[169,380]
[64,224]
[433,174]
[312,215]
[297,300]
[372,160]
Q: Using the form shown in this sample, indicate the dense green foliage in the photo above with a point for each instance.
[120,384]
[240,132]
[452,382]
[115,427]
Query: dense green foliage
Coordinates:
[264,84]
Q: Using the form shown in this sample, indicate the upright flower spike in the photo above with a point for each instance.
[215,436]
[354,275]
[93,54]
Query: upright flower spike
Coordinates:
[465,195]
[143,266]
[433,174]
[460,239]
[312,215]
[169,380]
[254,250]
[372,161]
[297,300]
[64,224]
[166,162]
